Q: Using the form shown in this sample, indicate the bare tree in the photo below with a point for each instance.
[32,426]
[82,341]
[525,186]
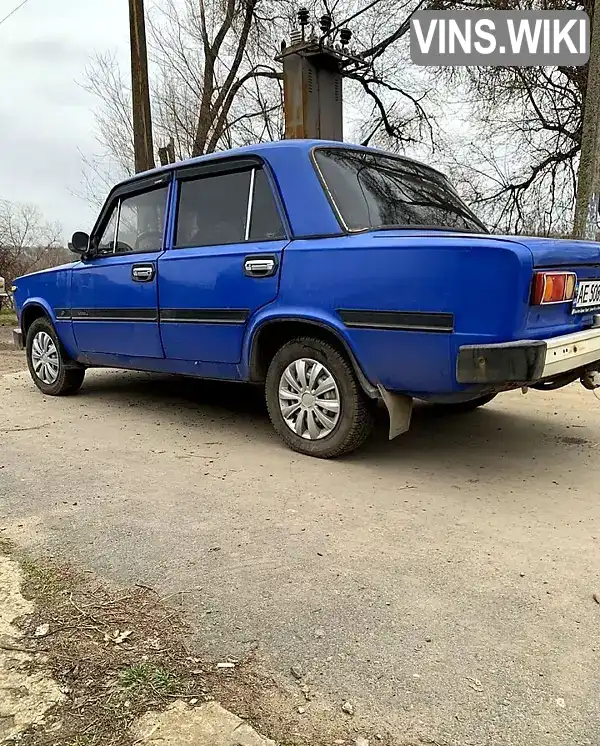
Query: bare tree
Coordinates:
[521,154]
[514,152]
[27,241]
[215,85]
[105,80]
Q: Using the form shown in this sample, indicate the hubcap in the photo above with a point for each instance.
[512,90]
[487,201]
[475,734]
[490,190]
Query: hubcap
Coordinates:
[44,358]
[309,399]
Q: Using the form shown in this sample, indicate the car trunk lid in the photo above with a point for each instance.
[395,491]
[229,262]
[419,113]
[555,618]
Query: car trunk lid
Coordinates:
[570,255]
[561,252]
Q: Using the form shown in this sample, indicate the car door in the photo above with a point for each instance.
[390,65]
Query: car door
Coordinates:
[224,262]
[114,301]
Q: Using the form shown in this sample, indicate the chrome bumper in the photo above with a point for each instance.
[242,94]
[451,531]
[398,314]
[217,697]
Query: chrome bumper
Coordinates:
[571,351]
[528,360]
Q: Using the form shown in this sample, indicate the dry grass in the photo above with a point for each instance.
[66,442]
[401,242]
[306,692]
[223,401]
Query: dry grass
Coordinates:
[118,653]
[115,655]
[8,317]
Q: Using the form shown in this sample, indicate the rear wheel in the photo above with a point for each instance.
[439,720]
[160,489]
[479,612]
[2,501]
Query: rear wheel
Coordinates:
[47,362]
[466,406]
[314,400]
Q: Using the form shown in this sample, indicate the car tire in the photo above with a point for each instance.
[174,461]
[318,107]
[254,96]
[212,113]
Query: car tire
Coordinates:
[336,419]
[466,406]
[48,364]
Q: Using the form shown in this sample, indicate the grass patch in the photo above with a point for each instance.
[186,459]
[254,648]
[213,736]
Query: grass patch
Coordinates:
[116,654]
[8,317]
[43,581]
[144,676]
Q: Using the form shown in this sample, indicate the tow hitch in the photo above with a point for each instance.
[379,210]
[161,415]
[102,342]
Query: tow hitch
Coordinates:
[591,380]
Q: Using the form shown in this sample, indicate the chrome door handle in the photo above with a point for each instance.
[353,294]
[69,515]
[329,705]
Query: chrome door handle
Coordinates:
[142,272]
[260,266]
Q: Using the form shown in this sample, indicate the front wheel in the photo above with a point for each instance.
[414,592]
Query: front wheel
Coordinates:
[314,400]
[47,363]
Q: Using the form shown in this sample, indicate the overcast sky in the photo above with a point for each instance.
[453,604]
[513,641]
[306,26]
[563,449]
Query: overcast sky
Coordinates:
[46,117]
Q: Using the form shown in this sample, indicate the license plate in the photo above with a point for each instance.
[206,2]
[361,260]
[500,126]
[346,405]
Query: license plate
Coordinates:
[588,296]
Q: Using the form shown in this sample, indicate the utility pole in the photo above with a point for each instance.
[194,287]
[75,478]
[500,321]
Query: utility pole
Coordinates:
[140,92]
[313,66]
[588,180]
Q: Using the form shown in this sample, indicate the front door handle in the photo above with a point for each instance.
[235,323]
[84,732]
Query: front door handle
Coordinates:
[143,272]
[260,266]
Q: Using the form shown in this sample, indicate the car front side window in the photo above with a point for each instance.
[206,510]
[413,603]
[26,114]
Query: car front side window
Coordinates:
[106,244]
[136,224]
[142,221]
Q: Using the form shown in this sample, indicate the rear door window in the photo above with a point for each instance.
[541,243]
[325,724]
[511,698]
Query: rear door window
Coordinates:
[213,210]
[265,222]
[227,208]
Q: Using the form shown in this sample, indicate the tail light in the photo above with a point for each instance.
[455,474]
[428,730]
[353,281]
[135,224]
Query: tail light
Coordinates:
[553,287]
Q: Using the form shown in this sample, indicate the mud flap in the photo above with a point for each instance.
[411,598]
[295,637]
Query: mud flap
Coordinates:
[399,407]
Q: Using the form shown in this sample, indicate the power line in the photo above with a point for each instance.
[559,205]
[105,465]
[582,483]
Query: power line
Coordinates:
[355,15]
[12,12]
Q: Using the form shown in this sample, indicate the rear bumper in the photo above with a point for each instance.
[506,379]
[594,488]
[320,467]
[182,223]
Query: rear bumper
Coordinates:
[525,361]
[18,339]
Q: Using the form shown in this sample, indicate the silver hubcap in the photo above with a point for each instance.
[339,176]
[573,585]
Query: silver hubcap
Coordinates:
[309,399]
[44,357]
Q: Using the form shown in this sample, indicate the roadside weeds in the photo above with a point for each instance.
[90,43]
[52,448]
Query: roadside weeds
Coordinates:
[11,359]
[8,317]
[120,656]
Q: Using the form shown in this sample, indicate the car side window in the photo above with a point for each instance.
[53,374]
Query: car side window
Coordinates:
[142,221]
[213,209]
[227,208]
[265,221]
[137,222]
[107,239]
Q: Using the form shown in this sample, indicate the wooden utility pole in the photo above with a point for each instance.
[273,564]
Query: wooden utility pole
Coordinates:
[588,180]
[140,92]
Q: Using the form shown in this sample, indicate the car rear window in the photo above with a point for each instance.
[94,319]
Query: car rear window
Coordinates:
[371,190]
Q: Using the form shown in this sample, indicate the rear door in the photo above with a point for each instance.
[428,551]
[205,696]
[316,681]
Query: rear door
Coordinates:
[114,301]
[224,262]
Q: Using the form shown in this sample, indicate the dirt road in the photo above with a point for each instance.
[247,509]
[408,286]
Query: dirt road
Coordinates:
[11,360]
[442,582]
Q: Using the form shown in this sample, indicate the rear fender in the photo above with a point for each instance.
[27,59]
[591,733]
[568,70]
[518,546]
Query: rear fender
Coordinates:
[323,321]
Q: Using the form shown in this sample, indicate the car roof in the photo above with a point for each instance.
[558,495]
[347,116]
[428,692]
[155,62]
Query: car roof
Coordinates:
[263,149]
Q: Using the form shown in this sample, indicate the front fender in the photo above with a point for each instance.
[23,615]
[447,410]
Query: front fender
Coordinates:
[35,301]
[64,328]
[323,319]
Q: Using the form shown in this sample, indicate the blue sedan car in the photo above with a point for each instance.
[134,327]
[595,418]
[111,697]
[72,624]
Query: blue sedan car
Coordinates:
[333,275]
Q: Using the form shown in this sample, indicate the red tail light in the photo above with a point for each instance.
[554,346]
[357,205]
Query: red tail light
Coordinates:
[553,287]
